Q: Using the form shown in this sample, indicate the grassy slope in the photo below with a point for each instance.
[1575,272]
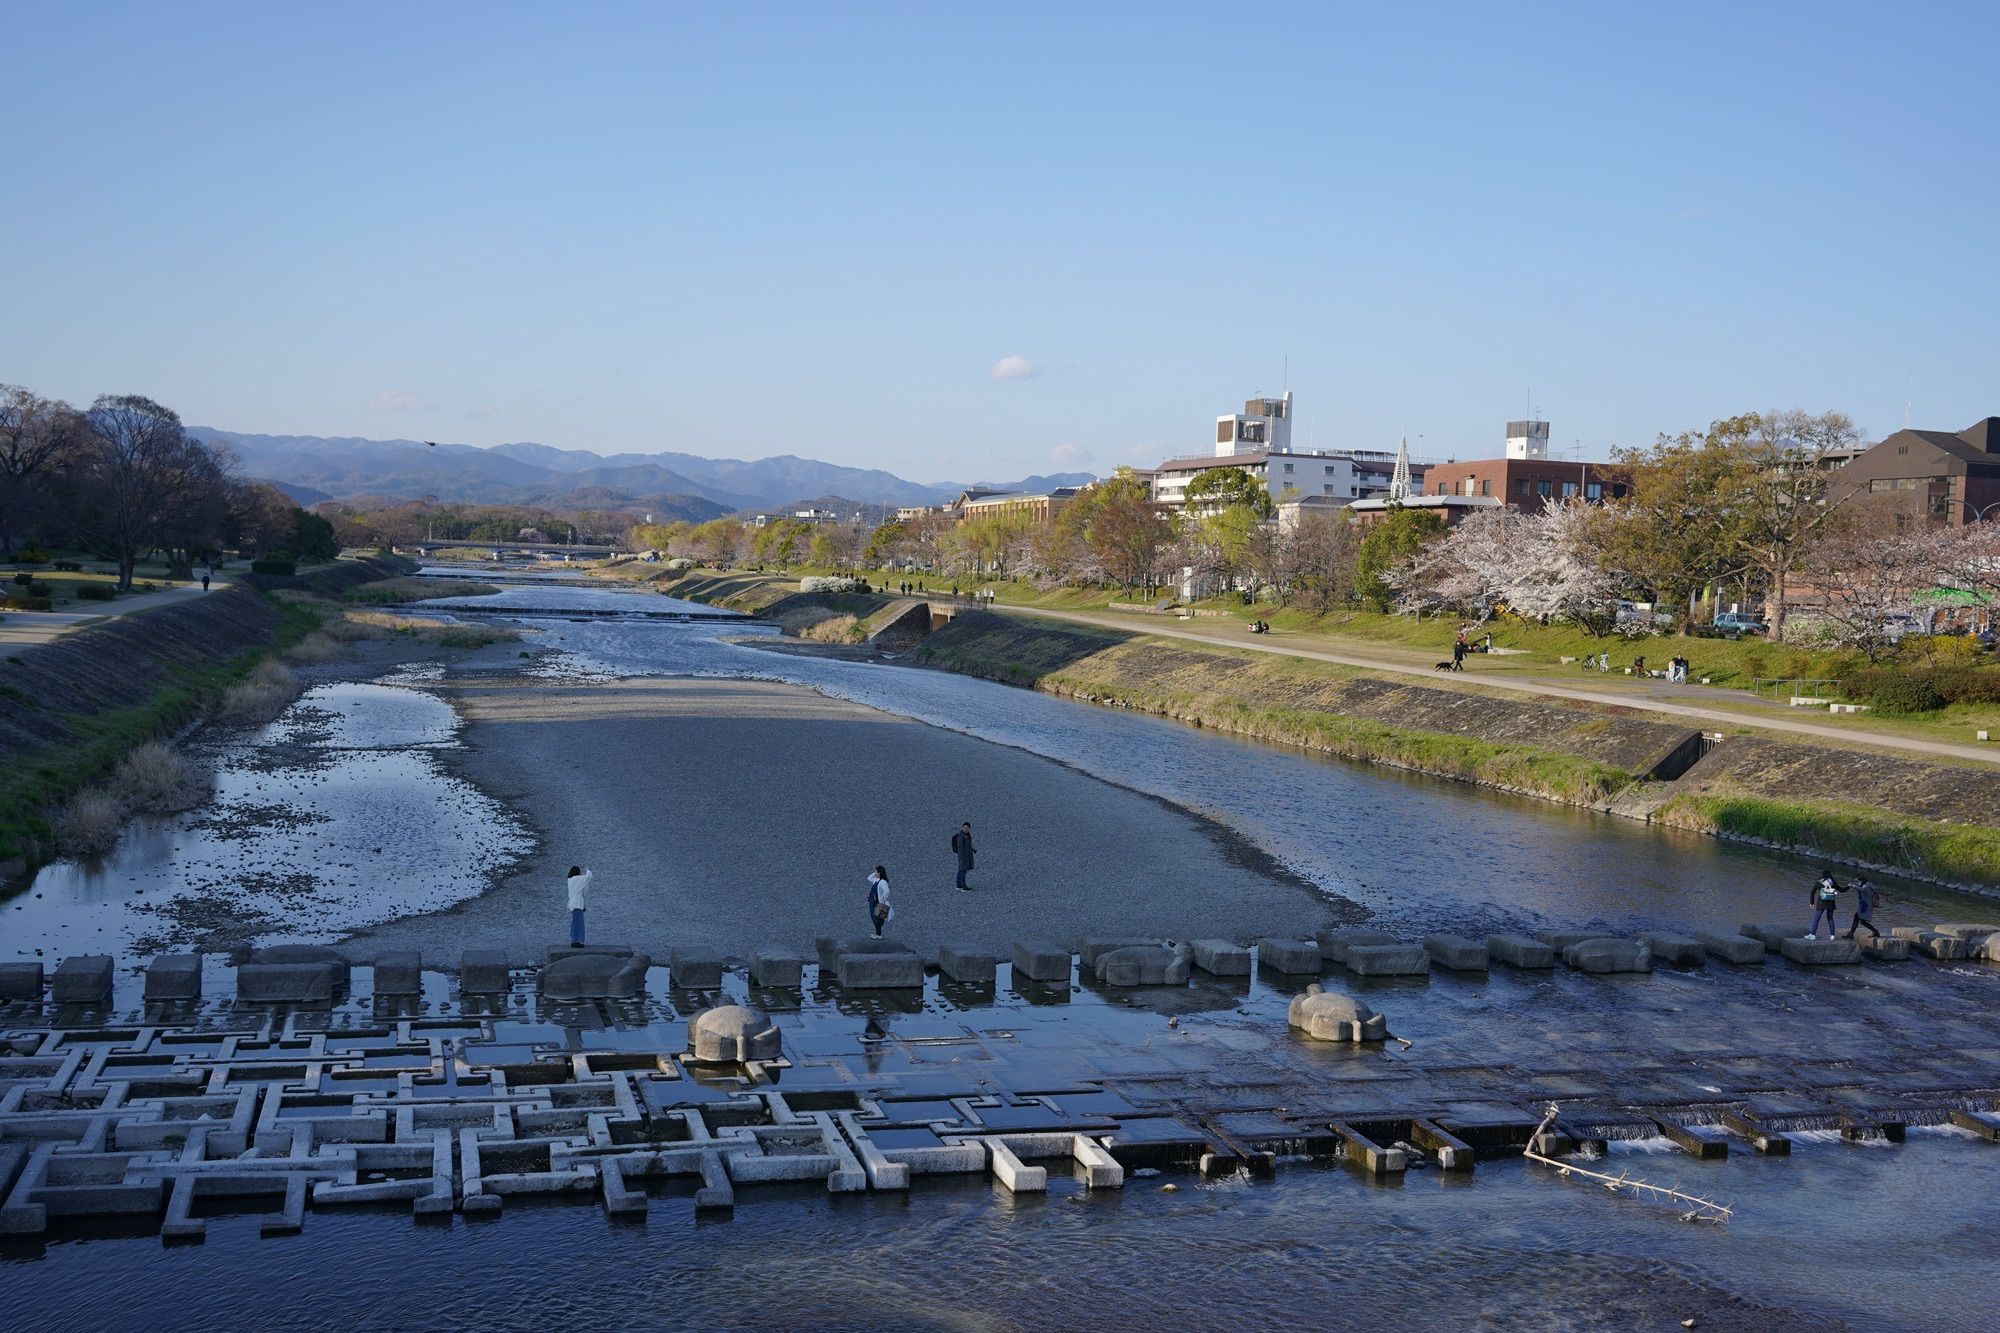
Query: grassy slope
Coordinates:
[1957,853]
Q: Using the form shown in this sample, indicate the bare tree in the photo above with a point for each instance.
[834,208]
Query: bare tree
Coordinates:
[1781,493]
[1316,560]
[38,438]
[151,484]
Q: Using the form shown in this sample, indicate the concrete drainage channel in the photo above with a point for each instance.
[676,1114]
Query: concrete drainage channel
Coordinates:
[601,1076]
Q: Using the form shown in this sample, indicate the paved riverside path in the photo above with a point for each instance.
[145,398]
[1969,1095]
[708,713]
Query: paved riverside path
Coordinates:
[22,630]
[1240,638]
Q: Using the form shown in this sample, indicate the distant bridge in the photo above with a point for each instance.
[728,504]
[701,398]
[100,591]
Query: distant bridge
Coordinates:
[532,550]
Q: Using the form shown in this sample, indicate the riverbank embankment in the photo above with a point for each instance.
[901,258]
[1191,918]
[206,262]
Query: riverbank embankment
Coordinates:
[71,708]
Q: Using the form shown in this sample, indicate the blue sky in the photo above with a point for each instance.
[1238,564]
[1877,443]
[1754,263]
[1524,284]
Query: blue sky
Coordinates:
[818,229]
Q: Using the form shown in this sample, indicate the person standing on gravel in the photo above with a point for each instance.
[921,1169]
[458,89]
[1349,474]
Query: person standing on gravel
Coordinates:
[961,846]
[579,886]
[879,911]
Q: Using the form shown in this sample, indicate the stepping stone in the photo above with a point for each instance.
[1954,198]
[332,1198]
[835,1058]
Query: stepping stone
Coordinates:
[595,976]
[777,967]
[1560,940]
[1299,958]
[1035,960]
[482,972]
[284,983]
[336,963]
[1946,948]
[1456,952]
[1678,950]
[84,979]
[1888,949]
[830,950]
[20,981]
[1823,952]
[1151,965]
[1738,949]
[1325,1015]
[174,976]
[1967,931]
[733,1034]
[1222,958]
[1094,948]
[399,972]
[1771,937]
[1520,951]
[1600,956]
[1335,941]
[1388,960]
[694,969]
[968,962]
[880,971]
[571,950]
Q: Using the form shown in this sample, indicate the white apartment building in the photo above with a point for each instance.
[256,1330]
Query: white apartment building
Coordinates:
[1259,440]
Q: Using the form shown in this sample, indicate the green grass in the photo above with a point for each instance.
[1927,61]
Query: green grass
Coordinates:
[32,788]
[1959,853]
[395,592]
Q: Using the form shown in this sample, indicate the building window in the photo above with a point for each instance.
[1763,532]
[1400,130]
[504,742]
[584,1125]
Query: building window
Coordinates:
[1485,487]
[1225,431]
[1521,486]
[1288,467]
[1569,490]
[1542,489]
[1594,491]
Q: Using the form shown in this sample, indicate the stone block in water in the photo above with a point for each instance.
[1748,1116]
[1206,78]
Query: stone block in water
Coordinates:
[694,969]
[1456,953]
[1820,952]
[1518,950]
[482,972]
[84,979]
[1299,958]
[595,976]
[1601,956]
[1095,947]
[1037,960]
[830,950]
[968,962]
[284,983]
[1967,930]
[732,1034]
[777,967]
[565,950]
[880,971]
[1388,960]
[1676,950]
[1221,958]
[399,972]
[1150,965]
[174,976]
[1335,941]
[20,981]
[1559,940]
[1771,937]
[306,953]
[1887,949]
[1325,1015]
[1738,949]
[1946,948]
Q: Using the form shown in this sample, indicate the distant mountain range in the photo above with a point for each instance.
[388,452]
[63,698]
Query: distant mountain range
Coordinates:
[311,468]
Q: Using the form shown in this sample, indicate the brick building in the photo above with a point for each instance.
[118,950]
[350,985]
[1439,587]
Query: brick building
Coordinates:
[1927,476]
[1528,484]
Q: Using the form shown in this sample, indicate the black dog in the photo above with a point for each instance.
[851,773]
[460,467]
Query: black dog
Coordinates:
[1447,666]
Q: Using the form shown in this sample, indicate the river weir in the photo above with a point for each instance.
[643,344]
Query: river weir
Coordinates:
[1087,1065]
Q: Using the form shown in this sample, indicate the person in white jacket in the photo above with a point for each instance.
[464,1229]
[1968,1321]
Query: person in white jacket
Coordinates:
[579,885]
[879,910]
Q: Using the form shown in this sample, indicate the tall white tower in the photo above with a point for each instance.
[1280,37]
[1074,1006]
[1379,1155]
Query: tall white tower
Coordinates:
[1399,480]
[1264,424]
[1527,439]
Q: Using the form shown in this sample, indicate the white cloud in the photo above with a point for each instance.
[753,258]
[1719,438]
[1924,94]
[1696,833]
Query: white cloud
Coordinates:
[400,400]
[1069,455]
[1014,368]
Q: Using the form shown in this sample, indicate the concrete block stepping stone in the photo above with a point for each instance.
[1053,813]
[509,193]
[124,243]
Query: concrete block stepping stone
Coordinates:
[830,950]
[1821,952]
[732,1034]
[84,979]
[777,967]
[1678,950]
[1991,949]
[482,972]
[694,969]
[1738,949]
[1325,1015]
[399,972]
[1335,941]
[1150,965]
[1297,958]
[1888,949]
[968,962]
[174,976]
[20,981]
[903,970]
[1520,951]
[1771,937]
[566,950]
[1601,956]
[284,983]
[1222,958]
[1388,960]
[1560,940]
[1094,948]
[1966,931]
[1456,952]
[335,963]
[1946,948]
[595,976]
[1036,960]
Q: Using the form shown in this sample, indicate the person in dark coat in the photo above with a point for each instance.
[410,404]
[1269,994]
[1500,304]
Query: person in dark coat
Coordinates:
[961,846]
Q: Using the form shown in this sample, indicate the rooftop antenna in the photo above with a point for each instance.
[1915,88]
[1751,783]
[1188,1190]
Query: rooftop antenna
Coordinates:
[1909,391]
[1285,381]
